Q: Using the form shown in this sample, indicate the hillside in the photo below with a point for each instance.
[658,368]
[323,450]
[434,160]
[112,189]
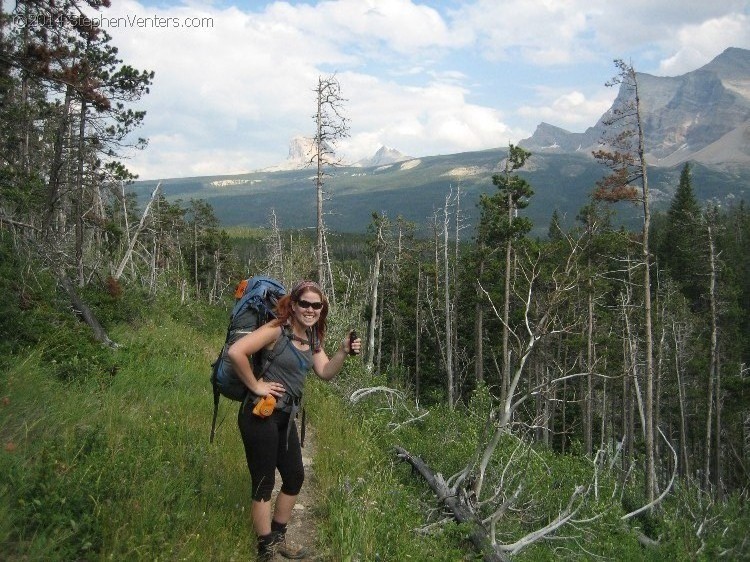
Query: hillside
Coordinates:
[415,189]
[702,117]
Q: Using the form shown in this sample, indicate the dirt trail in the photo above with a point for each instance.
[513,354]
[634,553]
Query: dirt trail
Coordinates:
[302,529]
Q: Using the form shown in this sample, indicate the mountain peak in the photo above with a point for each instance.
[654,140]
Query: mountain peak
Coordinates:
[682,115]
[301,153]
[732,63]
[549,138]
[302,150]
[384,156]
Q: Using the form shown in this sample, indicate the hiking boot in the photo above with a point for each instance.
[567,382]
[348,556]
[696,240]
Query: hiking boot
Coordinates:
[288,549]
[267,555]
[267,548]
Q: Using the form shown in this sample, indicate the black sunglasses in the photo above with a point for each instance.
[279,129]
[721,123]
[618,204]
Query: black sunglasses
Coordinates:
[307,304]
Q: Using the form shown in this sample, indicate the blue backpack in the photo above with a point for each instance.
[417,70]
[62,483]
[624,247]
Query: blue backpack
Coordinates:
[256,301]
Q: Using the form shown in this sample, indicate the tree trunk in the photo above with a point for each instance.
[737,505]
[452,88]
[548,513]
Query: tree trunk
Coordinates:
[448,316]
[564,421]
[54,189]
[589,399]
[646,253]
[458,506]
[79,196]
[718,455]
[678,346]
[373,312]
[659,378]
[329,272]
[379,353]
[540,400]
[547,411]
[84,312]
[506,329]
[418,335]
[479,330]
[319,181]
[195,259]
[628,422]
[713,359]
[134,239]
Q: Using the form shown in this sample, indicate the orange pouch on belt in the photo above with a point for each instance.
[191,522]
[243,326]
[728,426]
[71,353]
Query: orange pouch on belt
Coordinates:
[265,406]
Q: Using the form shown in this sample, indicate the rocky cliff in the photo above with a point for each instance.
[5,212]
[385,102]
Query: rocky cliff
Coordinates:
[703,116]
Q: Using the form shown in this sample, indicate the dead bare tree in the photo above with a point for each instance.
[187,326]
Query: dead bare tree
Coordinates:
[713,376]
[447,297]
[463,492]
[464,508]
[380,227]
[625,155]
[330,126]
[564,281]
[666,491]
[132,240]
[274,247]
[418,335]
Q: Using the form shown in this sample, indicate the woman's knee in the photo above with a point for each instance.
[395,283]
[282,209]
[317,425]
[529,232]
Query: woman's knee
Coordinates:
[292,482]
[263,486]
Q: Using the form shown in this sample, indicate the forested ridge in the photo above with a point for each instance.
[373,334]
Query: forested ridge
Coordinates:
[582,394]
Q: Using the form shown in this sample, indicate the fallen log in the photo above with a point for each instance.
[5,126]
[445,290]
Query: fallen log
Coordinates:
[457,504]
[84,312]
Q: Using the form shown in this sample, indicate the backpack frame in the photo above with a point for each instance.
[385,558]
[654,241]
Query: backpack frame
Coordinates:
[257,299]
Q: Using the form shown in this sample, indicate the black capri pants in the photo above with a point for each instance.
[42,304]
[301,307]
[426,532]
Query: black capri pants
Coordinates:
[266,449]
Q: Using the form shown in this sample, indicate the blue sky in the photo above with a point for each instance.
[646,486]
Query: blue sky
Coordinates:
[421,77]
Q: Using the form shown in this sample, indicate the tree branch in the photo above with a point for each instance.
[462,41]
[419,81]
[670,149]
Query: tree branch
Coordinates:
[462,512]
[565,516]
[127,255]
[666,490]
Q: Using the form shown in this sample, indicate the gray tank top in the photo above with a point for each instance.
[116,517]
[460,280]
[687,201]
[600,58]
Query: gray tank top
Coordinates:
[289,366]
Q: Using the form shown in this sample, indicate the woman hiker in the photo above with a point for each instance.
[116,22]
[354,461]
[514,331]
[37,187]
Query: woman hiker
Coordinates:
[294,344]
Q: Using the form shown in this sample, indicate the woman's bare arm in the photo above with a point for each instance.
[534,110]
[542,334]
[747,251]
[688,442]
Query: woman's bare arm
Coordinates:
[239,354]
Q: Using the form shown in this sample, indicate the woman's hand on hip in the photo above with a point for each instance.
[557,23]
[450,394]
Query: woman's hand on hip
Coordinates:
[263,388]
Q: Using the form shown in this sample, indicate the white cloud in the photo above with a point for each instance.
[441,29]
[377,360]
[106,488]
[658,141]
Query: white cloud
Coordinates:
[543,32]
[229,96]
[570,110]
[249,79]
[700,43]
[671,38]
[429,119]
[399,25]
[569,32]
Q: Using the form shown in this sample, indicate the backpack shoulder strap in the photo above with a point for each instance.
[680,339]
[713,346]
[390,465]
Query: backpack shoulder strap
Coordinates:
[276,350]
[312,335]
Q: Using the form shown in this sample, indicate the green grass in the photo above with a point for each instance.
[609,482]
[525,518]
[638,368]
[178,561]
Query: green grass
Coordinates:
[123,469]
[105,456]
[109,459]
[369,507]
[446,439]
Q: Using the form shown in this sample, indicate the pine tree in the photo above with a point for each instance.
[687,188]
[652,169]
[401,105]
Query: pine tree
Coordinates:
[555,228]
[501,227]
[679,250]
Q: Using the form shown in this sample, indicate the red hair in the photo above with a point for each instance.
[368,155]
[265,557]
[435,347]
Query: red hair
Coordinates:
[284,308]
